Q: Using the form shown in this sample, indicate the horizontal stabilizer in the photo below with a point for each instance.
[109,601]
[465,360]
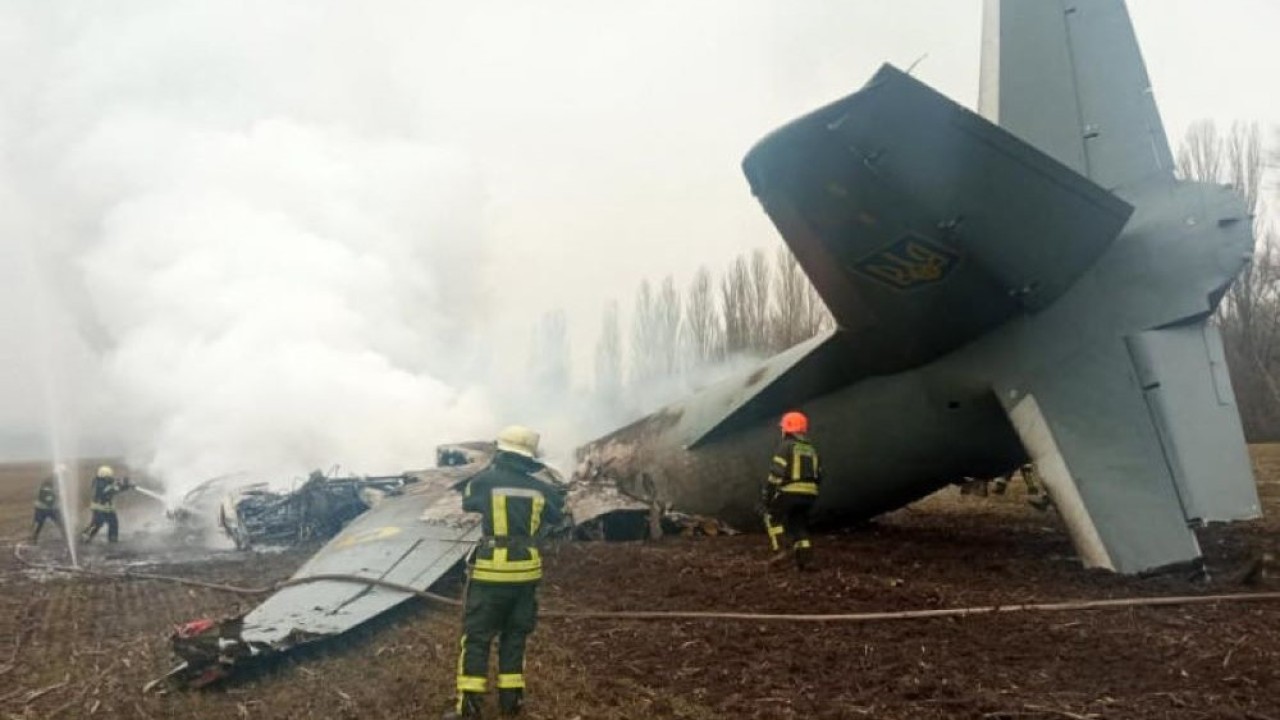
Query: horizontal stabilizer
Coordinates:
[808,370]
[922,225]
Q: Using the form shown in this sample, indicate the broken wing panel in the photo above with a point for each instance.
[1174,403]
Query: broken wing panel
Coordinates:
[412,539]
[922,225]
[1086,425]
[1068,77]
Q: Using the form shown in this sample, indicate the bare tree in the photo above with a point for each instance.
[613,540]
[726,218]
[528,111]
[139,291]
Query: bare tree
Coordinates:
[667,328]
[608,360]
[789,321]
[734,306]
[644,365]
[1201,154]
[655,333]
[758,295]
[1244,162]
[702,335]
[798,312]
[818,316]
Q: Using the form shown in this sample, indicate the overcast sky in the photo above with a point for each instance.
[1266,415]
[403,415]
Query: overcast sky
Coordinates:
[479,161]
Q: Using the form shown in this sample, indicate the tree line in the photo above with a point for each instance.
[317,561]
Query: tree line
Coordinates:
[758,306]
[675,340]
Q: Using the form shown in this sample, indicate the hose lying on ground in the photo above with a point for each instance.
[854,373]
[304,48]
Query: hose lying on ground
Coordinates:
[1164,601]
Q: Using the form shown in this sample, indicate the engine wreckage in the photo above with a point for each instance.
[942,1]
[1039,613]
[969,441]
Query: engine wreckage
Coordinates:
[392,537]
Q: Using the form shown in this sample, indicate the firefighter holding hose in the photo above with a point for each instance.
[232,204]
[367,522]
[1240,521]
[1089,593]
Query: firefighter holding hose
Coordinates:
[103,506]
[46,505]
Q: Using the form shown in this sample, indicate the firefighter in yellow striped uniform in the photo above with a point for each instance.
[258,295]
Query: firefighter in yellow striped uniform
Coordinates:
[46,506]
[102,504]
[792,488]
[517,501]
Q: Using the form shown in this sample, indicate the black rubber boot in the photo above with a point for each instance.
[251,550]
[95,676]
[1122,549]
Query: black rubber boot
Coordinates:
[510,702]
[468,707]
[804,558]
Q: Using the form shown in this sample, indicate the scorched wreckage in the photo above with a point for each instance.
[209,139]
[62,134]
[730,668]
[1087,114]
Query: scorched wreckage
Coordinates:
[1028,284]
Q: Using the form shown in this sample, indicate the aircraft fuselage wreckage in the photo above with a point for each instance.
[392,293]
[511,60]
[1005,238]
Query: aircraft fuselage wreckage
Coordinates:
[1032,285]
[1038,289]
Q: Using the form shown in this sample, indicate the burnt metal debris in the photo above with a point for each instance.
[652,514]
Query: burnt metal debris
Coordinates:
[318,509]
[394,536]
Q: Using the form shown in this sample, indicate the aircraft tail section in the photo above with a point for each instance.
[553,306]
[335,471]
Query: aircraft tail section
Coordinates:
[1067,76]
[1137,441]
[922,225]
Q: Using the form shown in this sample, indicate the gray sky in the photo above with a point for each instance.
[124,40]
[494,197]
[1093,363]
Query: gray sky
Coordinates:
[205,197]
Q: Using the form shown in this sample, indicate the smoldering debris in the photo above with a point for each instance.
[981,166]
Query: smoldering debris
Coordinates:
[317,510]
[388,547]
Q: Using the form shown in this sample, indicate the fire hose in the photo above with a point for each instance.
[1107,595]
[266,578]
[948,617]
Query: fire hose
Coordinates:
[1129,602]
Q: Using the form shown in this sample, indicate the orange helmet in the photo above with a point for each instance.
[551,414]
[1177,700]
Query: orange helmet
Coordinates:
[794,423]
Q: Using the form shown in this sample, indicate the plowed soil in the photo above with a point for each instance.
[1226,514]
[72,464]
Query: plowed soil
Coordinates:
[75,646]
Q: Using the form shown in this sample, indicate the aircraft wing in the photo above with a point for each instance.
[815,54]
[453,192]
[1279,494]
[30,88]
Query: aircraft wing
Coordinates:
[1067,77]
[922,225]
[1138,441]
[411,539]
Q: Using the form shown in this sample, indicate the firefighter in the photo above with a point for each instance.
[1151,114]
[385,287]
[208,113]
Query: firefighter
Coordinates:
[46,506]
[515,501]
[104,490]
[792,488]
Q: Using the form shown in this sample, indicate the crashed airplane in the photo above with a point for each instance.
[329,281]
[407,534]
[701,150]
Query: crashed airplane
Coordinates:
[1034,284]
[1030,284]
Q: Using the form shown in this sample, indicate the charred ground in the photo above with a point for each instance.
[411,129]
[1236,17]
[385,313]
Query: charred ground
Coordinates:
[84,647]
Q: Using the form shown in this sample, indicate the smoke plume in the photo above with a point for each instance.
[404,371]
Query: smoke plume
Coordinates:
[274,277]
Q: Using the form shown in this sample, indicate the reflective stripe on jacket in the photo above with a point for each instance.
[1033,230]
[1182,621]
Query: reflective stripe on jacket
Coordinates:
[104,494]
[514,506]
[795,469]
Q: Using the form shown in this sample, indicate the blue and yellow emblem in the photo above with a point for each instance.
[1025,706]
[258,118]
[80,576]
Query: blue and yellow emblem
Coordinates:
[910,262]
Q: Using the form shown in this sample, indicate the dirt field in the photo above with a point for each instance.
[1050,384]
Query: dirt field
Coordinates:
[84,647]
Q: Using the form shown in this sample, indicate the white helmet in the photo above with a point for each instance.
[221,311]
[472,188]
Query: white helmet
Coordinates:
[60,469]
[105,471]
[519,440]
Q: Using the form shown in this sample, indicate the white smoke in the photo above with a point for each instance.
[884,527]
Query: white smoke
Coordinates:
[276,276]
[275,296]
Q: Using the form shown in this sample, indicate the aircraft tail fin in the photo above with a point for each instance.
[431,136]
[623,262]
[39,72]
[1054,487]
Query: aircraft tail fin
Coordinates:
[1067,76]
